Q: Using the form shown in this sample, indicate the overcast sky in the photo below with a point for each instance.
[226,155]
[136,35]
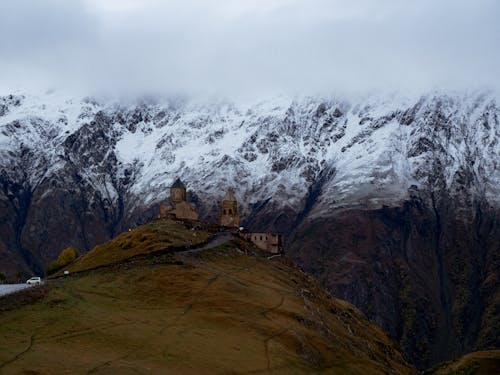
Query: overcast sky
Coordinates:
[251,46]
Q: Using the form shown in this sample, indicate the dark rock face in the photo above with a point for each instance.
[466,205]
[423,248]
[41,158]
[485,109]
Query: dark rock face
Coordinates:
[427,274]
[15,200]
[38,223]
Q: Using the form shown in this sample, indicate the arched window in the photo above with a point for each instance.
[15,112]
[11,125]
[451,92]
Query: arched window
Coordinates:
[224,212]
[261,238]
[230,211]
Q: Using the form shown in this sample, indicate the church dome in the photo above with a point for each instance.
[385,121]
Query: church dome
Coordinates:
[178,184]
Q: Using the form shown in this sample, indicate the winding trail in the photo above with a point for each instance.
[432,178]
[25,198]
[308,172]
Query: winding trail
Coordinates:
[218,239]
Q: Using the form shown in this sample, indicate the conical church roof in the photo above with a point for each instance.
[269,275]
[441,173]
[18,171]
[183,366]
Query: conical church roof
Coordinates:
[178,184]
[229,196]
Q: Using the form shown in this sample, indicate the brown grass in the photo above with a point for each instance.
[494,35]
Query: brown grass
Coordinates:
[157,236]
[216,312]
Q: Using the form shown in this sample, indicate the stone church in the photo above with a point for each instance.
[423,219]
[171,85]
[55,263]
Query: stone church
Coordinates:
[179,207]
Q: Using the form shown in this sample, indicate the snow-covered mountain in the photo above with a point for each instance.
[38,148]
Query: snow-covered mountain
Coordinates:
[392,202]
[369,151]
[291,158]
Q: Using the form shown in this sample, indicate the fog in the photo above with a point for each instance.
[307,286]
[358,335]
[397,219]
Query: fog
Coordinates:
[249,47]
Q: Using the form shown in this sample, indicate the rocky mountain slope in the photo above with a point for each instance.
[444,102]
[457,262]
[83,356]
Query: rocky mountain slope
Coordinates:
[223,309]
[476,363]
[393,203]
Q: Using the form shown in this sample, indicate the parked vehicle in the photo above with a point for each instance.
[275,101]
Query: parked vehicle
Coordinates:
[34,281]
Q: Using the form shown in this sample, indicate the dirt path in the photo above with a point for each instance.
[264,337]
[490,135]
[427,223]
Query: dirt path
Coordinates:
[219,239]
[20,354]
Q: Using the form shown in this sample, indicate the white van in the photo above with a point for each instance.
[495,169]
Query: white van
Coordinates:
[34,281]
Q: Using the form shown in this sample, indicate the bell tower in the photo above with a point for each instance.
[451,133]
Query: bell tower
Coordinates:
[229,210]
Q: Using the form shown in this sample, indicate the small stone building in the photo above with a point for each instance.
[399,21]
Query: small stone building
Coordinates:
[179,207]
[229,210]
[270,242]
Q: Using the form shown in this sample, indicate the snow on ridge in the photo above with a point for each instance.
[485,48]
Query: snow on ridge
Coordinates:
[378,146]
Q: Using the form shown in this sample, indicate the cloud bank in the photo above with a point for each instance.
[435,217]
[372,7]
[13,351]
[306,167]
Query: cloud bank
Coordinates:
[256,46]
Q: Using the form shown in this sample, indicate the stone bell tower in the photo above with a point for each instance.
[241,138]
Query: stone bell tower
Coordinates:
[229,215]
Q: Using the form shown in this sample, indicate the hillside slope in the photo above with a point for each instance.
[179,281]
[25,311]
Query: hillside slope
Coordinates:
[215,310]
[476,363]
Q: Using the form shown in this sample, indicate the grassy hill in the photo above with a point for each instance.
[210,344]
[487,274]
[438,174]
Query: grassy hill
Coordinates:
[156,237]
[133,306]
[476,363]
